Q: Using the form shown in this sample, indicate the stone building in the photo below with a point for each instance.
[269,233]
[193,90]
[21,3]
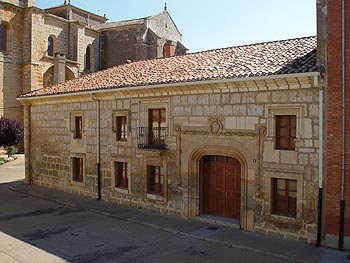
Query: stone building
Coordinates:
[39,47]
[334,61]
[223,135]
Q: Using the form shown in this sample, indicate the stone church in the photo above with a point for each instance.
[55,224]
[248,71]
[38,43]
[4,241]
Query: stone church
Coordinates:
[40,47]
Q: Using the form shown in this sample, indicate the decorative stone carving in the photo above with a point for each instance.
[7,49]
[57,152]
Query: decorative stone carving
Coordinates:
[262,131]
[216,125]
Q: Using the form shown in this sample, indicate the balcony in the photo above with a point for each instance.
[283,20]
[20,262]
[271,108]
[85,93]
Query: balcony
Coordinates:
[152,138]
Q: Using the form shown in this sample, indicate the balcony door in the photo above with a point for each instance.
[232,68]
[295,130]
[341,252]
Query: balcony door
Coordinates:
[157,126]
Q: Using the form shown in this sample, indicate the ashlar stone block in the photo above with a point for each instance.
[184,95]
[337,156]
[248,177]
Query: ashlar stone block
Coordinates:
[270,154]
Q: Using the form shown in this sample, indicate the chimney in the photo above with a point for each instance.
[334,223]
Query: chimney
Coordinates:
[59,74]
[28,3]
[322,33]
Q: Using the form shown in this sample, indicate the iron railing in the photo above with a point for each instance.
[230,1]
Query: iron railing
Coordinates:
[152,137]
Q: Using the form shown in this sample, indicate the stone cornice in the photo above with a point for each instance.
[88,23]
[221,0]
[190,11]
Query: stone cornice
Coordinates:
[270,83]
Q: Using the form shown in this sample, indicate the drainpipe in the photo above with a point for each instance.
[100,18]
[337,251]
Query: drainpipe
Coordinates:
[342,199]
[320,158]
[99,197]
[28,177]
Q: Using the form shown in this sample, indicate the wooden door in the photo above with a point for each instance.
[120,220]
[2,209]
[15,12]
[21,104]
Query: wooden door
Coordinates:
[221,190]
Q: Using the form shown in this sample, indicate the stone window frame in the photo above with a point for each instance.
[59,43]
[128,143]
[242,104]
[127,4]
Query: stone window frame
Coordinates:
[268,196]
[155,103]
[72,181]
[72,128]
[8,30]
[156,162]
[115,114]
[284,109]
[118,189]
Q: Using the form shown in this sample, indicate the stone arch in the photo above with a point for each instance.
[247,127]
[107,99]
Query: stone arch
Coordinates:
[194,180]
[69,74]
[48,77]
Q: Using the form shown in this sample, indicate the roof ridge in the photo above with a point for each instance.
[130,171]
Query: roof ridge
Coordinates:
[212,50]
[253,44]
[128,20]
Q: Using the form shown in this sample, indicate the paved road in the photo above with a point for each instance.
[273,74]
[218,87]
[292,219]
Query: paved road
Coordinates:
[12,171]
[35,230]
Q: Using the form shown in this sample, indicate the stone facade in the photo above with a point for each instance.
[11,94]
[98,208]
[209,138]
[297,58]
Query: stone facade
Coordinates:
[234,118]
[26,64]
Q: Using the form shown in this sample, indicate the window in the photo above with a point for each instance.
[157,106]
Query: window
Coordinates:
[285,132]
[168,50]
[121,128]
[3,37]
[78,125]
[284,197]
[152,127]
[88,58]
[121,174]
[155,179]
[157,127]
[50,46]
[77,169]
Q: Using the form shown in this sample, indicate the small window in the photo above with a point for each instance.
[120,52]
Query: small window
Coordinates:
[3,37]
[88,59]
[50,46]
[121,128]
[284,197]
[121,175]
[77,169]
[155,179]
[285,132]
[168,50]
[78,127]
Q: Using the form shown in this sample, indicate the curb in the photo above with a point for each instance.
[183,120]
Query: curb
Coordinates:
[165,229]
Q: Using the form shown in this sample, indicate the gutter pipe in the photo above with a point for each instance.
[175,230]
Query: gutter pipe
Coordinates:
[320,162]
[342,199]
[99,196]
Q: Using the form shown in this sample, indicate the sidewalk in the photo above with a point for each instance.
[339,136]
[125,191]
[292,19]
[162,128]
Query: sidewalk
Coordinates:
[283,249]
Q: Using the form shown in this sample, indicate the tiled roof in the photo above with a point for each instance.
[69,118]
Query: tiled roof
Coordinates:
[263,59]
[108,25]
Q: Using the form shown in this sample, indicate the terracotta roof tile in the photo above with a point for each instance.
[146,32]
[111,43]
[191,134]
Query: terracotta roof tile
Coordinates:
[262,59]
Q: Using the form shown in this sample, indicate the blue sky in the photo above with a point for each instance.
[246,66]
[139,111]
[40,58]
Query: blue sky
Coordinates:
[210,24]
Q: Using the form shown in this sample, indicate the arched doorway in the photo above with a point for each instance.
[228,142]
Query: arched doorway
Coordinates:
[220,186]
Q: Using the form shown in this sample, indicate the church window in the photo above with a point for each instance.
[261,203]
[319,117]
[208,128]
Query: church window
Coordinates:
[50,46]
[3,37]
[88,59]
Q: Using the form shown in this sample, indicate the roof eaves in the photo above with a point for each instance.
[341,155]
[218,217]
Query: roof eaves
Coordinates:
[256,77]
